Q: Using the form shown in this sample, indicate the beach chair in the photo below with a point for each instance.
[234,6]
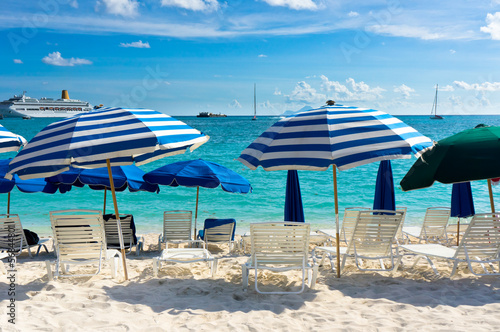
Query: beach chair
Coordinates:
[13,239]
[349,222]
[433,229]
[79,239]
[177,225]
[2,266]
[280,247]
[480,244]
[186,255]
[400,238]
[217,231]
[130,240]
[372,239]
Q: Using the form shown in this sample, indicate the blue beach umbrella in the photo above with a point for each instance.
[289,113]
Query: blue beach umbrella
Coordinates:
[104,138]
[462,204]
[337,135]
[199,173]
[124,177]
[294,210]
[384,188]
[10,141]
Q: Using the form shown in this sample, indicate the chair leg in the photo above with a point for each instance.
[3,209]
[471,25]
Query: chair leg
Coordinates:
[213,267]
[156,264]
[244,276]
[49,270]
[312,281]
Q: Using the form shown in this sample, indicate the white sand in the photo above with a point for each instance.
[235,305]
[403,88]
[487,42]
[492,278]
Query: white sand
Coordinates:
[185,298]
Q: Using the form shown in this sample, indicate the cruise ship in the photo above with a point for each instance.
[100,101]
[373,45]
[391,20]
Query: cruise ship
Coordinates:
[22,106]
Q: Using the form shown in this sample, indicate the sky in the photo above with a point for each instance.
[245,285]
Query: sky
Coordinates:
[182,57]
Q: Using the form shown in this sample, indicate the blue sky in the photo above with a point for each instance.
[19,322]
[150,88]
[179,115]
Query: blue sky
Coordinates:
[182,57]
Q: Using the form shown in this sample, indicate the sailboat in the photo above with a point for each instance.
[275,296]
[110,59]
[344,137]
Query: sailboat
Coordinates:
[434,115]
[254,103]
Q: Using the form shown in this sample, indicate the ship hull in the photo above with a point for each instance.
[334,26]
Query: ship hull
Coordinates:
[11,112]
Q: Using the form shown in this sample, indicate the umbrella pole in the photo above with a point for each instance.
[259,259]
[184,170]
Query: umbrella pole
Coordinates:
[458,231]
[118,223]
[104,207]
[196,211]
[8,203]
[337,233]
[491,196]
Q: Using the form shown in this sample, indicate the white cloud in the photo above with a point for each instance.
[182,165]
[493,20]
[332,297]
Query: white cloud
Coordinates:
[293,4]
[74,4]
[493,27]
[453,51]
[234,104]
[137,44]
[304,93]
[277,92]
[126,8]
[195,5]
[262,56]
[405,90]
[405,31]
[56,59]
[351,91]
[18,61]
[447,88]
[353,14]
[486,86]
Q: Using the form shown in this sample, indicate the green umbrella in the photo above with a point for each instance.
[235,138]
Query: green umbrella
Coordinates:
[472,154]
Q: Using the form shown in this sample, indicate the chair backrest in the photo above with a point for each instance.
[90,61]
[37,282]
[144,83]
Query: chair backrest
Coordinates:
[285,243]
[78,235]
[435,223]
[111,231]
[482,237]
[219,230]
[11,233]
[177,225]
[399,233]
[349,221]
[375,232]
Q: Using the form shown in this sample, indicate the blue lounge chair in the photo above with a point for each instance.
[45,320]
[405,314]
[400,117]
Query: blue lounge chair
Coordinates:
[218,231]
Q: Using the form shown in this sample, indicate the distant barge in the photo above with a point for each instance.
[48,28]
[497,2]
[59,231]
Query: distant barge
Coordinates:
[210,115]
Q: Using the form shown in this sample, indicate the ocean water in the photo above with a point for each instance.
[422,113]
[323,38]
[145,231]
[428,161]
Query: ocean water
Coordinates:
[228,137]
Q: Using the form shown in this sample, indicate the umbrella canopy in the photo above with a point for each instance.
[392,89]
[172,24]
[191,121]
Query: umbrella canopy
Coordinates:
[198,173]
[108,137]
[467,156]
[124,177]
[337,135]
[294,210]
[384,188]
[10,141]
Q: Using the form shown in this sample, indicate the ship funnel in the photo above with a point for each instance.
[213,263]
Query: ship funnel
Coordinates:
[65,94]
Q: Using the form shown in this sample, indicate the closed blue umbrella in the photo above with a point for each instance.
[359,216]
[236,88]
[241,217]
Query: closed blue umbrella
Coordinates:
[199,173]
[105,138]
[462,204]
[337,135]
[384,188]
[294,210]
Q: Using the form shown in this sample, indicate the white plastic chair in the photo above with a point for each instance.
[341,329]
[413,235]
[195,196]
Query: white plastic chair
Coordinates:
[280,247]
[433,229]
[177,226]
[112,235]
[12,238]
[79,239]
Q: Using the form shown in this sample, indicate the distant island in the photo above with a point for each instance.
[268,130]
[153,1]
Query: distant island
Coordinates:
[303,109]
[210,115]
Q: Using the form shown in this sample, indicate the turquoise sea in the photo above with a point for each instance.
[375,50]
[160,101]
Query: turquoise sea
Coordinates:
[228,137]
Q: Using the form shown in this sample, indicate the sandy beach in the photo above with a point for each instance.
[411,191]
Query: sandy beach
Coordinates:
[185,298]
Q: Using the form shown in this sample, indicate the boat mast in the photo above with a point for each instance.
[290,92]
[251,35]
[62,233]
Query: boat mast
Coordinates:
[434,106]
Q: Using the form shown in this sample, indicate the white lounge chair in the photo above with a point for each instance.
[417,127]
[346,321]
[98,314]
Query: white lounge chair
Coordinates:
[372,239]
[112,235]
[12,238]
[349,222]
[185,255]
[2,266]
[79,239]
[480,244]
[280,247]
[400,238]
[433,229]
[177,225]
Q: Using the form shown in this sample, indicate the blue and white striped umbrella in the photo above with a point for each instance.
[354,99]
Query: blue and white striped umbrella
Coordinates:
[120,135]
[10,141]
[337,135]
[333,135]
